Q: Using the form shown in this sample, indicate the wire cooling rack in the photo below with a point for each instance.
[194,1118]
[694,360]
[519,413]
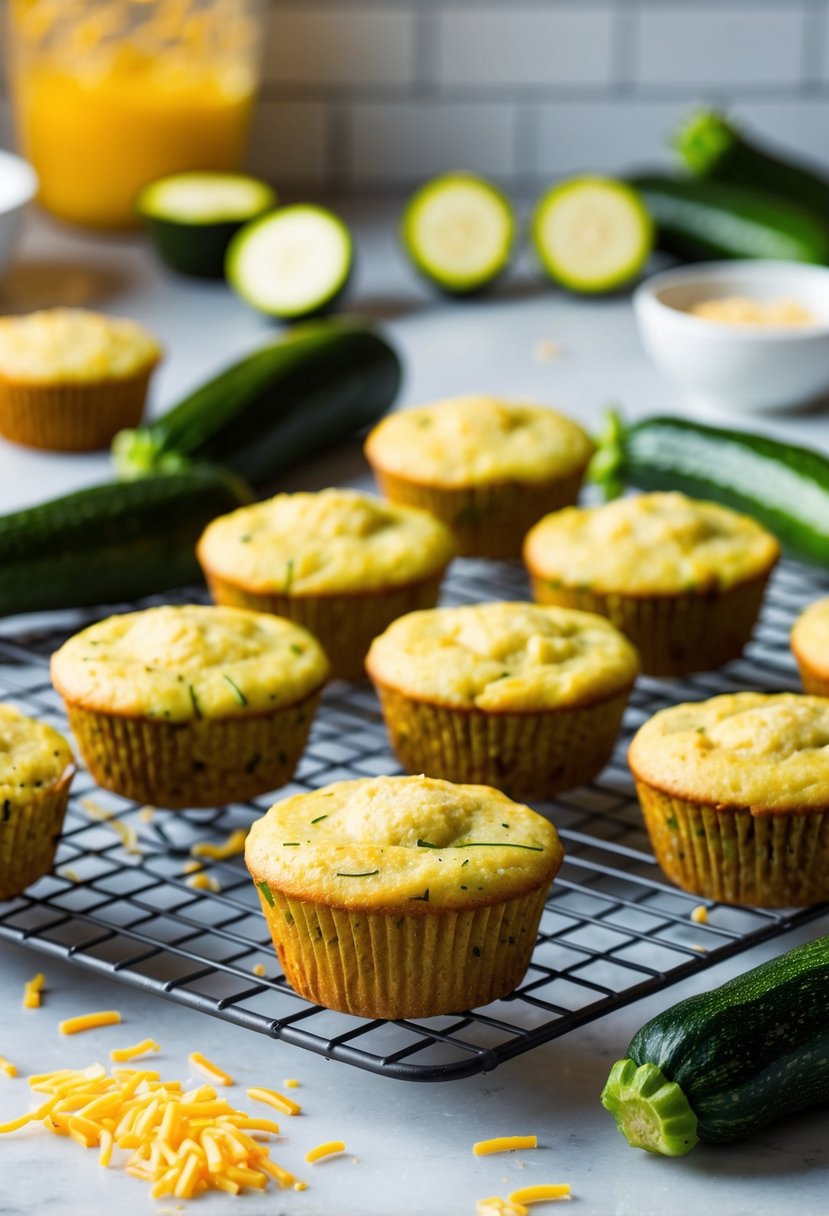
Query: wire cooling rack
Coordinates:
[613,929]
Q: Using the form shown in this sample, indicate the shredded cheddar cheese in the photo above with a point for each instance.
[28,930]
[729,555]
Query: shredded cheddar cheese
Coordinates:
[495,1206]
[503,1144]
[147,814]
[191,867]
[122,1055]
[234,845]
[542,1193]
[7,1067]
[259,969]
[700,915]
[271,1098]
[204,882]
[128,834]
[33,990]
[324,1150]
[94,809]
[89,1021]
[197,1060]
[291,1083]
[69,874]
[180,1143]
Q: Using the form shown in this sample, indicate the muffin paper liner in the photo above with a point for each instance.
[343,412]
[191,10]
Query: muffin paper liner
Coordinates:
[534,755]
[766,861]
[813,682]
[193,764]
[344,625]
[674,634]
[398,964]
[29,828]
[69,417]
[487,520]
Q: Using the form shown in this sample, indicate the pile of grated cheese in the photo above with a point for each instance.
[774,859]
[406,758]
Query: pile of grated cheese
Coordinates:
[181,1143]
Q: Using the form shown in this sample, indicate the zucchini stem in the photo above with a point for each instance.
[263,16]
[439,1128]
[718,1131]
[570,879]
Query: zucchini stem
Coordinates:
[605,469]
[651,1112]
[703,140]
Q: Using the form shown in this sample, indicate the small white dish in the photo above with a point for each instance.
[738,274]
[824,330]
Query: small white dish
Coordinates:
[731,367]
[18,186]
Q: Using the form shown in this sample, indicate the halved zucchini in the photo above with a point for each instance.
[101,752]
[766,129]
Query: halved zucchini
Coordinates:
[458,231]
[292,263]
[592,233]
[191,217]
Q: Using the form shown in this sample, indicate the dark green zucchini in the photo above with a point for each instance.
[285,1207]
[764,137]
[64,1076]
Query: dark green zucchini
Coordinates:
[316,386]
[712,147]
[112,542]
[192,217]
[784,487]
[712,219]
[719,1066]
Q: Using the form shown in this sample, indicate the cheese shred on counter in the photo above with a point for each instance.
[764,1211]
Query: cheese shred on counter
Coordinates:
[89,1021]
[545,1192]
[180,1143]
[271,1098]
[122,1055]
[32,991]
[503,1144]
[324,1150]
[211,1070]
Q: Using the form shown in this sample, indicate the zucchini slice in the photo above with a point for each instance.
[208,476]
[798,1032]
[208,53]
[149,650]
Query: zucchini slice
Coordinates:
[191,217]
[293,263]
[721,1065]
[592,234]
[458,231]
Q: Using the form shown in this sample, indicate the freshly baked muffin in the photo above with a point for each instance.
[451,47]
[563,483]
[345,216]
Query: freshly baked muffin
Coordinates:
[735,794]
[810,646]
[488,468]
[402,897]
[522,696]
[190,705]
[36,770]
[341,563]
[70,379]
[683,579]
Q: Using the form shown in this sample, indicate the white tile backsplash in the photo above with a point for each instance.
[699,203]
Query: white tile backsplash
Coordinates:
[525,46]
[614,136]
[399,143]
[289,143]
[726,46]
[355,45]
[376,95]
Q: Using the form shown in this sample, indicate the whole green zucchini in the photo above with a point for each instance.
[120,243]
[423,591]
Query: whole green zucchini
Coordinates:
[312,388]
[719,1066]
[111,542]
[784,487]
[712,219]
[712,147]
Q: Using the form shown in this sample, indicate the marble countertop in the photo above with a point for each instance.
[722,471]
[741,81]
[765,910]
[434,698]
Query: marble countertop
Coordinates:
[409,1145]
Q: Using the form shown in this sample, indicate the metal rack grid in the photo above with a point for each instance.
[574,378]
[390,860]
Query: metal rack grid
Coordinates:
[613,930]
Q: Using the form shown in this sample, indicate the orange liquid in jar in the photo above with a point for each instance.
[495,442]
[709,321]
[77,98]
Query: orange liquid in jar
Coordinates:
[110,96]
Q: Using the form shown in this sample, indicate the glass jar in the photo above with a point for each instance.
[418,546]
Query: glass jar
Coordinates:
[112,94]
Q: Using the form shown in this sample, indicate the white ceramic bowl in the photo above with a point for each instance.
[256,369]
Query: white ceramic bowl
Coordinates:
[18,186]
[730,367]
